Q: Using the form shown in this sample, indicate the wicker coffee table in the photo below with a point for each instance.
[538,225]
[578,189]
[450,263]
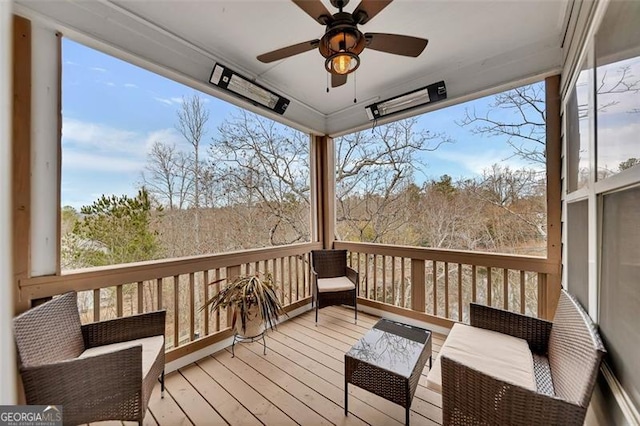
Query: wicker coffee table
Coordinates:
[388,361]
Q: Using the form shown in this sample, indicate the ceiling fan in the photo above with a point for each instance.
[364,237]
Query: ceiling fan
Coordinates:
[342,41]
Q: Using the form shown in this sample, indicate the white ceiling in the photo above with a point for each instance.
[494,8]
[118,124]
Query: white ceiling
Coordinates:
[475,46]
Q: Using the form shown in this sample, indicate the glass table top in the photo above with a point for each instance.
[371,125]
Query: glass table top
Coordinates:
[392,346]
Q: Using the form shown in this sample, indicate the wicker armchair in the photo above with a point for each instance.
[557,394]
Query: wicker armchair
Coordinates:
[100,371]
[334,283]
[566,357]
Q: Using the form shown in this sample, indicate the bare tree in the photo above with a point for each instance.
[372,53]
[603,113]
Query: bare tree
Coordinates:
[266,165]
[167,175]
[520,115]
[192,120]
[373,168]
[518,193]
[517,114]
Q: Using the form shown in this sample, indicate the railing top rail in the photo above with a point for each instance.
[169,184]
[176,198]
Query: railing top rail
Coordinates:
[509,261]
[108,276]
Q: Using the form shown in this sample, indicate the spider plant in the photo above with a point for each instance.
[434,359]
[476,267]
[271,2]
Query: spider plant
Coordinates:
[247,295]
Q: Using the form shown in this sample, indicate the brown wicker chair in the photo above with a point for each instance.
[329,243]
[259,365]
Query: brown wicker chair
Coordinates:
[566,359]
[100,371]
[334,283]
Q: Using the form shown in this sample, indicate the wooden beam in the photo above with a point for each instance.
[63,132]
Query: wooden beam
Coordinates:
[8,392]
[409,313]
[21,155]
[295,305]
[554,194]
[316,189]
[59,171]
[325,186]
[196,345]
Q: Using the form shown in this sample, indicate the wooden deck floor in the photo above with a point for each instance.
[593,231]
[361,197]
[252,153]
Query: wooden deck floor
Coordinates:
[299,381]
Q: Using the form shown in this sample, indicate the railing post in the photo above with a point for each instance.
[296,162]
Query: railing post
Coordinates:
[417,285]
[543,307]
[232,272]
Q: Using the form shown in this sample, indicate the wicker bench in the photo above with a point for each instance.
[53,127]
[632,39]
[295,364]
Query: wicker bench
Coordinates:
[488,379]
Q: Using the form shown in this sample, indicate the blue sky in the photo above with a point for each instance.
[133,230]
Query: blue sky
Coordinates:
[113,112]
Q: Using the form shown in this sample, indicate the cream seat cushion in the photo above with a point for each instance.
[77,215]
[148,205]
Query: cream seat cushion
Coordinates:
[334,284]
[499,355]
[151,347]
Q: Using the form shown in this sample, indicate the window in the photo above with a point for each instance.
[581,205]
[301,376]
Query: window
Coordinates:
[620,288]
[602,218]
[618,88]
[153,169]
[470,176]
[578,251]
[578,111]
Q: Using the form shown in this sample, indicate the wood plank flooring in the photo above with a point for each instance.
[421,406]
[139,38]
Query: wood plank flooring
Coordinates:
[299,381]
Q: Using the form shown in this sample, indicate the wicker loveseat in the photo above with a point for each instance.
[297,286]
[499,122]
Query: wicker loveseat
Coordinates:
[510,369]
[100,371]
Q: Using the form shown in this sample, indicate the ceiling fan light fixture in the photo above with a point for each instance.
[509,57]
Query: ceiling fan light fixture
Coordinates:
[342,63]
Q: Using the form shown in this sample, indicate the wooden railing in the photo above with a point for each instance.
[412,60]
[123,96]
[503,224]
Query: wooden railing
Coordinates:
[181,287]
[441,283]
[427,284]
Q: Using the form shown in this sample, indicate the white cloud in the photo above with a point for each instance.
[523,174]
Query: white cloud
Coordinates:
[100,163]
[98,69]
[478,162]
[90,145]
[163,100]
[131,85]
[100,138]
[176,100]
[110,83]
[168,136]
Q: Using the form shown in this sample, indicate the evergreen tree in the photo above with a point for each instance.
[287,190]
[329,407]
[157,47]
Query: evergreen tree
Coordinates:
[114,230]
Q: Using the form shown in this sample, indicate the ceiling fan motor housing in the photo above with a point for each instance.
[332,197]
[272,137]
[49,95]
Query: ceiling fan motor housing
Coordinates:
[339,3]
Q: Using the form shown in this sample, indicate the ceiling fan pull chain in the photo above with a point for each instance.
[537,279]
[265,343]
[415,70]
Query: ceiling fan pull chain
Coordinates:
[355,94]
[327,82]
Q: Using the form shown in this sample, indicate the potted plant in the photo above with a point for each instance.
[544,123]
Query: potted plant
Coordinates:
[253,301]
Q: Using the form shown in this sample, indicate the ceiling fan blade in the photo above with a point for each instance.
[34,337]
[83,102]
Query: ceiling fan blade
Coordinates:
[396,44]
[370,8]
[315,9]
[338,80]
[288,51]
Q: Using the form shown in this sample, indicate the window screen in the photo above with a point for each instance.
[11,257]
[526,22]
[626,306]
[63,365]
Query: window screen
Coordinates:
[620,287]
[578,251]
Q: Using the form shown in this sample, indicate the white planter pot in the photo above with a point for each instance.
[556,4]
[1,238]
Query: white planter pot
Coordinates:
[254,326]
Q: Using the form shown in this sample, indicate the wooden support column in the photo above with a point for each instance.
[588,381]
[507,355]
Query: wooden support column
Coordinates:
[21,156]
[324,156]
[8,392]
[554,195]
